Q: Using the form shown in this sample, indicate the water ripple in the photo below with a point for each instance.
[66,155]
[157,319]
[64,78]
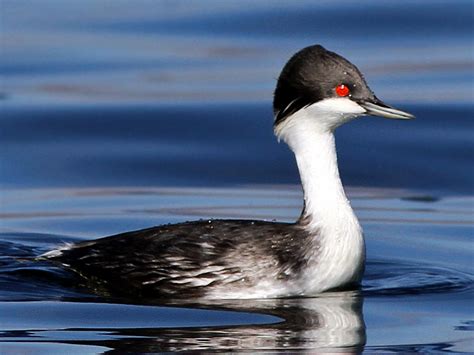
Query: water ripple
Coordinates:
[386,278]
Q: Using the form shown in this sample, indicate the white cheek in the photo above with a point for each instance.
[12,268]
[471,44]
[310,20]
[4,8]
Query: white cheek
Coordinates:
[322,116]
[340,105]
[331,113]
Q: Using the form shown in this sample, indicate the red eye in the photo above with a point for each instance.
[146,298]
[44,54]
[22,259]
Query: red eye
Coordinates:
[342,90]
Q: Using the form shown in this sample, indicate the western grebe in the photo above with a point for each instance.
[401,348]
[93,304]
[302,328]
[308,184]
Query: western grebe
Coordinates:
[317,91]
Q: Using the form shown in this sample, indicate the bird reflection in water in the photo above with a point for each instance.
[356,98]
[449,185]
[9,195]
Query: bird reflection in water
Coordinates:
[331,322]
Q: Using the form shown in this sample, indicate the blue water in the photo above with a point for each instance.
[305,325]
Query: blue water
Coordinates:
[122,115]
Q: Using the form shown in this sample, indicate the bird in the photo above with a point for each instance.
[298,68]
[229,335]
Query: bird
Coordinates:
[323,250]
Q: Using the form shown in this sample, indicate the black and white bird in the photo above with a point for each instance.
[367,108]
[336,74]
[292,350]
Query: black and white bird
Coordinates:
[317,91]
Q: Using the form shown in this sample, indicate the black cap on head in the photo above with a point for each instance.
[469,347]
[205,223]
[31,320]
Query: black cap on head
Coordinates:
[314,74]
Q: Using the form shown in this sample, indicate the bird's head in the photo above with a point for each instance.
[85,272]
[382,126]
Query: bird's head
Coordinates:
[323,87]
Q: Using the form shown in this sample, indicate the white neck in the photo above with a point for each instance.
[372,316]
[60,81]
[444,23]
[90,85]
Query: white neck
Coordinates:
[337,237]
[317,163]
[310,135]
